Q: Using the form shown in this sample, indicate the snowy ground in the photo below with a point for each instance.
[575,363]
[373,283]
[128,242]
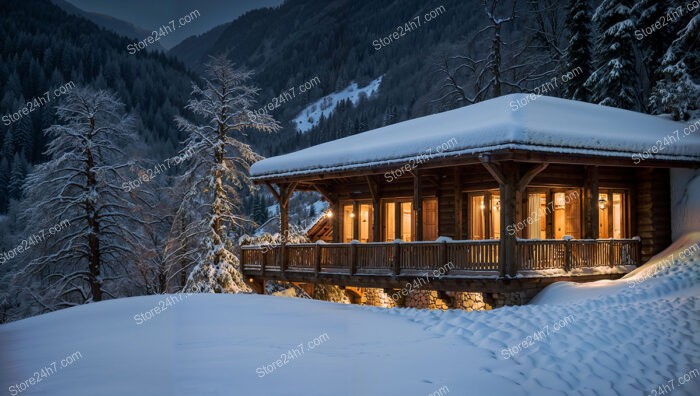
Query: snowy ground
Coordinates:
[625,337]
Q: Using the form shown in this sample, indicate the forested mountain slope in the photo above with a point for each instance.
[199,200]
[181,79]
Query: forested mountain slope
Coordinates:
[342,41]
[44,48]
[110,23]
[303,39]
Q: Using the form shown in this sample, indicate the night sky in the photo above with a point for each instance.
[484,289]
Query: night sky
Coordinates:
[152,15]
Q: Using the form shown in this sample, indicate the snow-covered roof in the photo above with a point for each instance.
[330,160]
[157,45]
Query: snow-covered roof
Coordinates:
[511,122]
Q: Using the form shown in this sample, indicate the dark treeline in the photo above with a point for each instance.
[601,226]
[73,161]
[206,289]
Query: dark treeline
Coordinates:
[43,48]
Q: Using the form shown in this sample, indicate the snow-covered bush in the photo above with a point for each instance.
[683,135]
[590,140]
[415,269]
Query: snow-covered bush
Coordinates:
[223,277]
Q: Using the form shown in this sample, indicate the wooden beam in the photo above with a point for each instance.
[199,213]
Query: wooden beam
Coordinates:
[487,214]
[494,169]
[448,282]
[373,187]
[285,192]
[591,215]
[458,203]
[398,231]
[336,220]
[273,191]
[531,174]
[288,191]
[376,208]
[356,221]
[523,156]
[323,190]
[418,206]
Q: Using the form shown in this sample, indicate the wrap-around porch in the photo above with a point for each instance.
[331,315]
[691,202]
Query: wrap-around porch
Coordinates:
[445,265]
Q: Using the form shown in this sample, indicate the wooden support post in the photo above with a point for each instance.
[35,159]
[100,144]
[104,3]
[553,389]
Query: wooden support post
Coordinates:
[418,206]
[353,258]
[567,255]
[264,261]
[283,195]
[356,221]
[508,177]
[376,221]
[397,258]
[507,246]
[443,253]
[398,213]
[376,207]
[317,266]
[336,221]
[590,203]
[521,196]
[487,215]
[458,203]
[549,218]
[283,260]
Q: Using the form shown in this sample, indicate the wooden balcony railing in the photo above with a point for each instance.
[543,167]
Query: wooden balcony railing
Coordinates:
[572,254]
[457,258]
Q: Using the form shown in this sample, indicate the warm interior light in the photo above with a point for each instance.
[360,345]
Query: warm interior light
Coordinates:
[482,206]
[329,214]
[352,214]
[602,201]
[559,200]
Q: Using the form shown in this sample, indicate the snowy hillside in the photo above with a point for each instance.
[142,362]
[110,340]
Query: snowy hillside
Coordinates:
[625,337]
[311,115]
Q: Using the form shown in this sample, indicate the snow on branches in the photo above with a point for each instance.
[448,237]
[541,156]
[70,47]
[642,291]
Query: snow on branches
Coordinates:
[80,183]
[218,173]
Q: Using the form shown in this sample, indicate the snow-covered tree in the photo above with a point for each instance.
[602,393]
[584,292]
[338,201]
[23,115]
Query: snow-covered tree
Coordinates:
[653,46]
[79,189]
[546,41]
[615,81]
[512,63]
[216,175]
[489,73]
[578,54]
[678,92]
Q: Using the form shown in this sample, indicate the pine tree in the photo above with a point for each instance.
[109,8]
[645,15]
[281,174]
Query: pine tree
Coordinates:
[615,81]
[4,184]
[218,172]
[17,175]
[578,55]
[653,46]
[677,93]
[79,189]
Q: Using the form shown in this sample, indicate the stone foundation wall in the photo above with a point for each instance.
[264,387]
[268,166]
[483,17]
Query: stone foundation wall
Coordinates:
[471,301]
[378,298]
[425,299]
[431,299]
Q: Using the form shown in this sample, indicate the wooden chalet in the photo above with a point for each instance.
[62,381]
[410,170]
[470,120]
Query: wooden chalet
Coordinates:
[503,195]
